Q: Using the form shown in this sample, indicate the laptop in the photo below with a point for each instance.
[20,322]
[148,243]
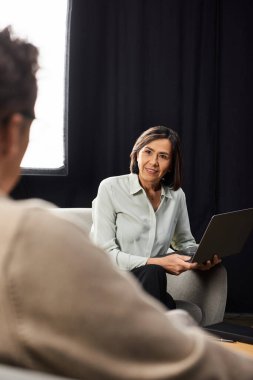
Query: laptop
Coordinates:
[225,235]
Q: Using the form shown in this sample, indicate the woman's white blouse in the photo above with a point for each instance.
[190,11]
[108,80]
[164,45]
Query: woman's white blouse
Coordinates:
[127,227]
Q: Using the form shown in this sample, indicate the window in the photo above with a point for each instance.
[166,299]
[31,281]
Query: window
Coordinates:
[45,24]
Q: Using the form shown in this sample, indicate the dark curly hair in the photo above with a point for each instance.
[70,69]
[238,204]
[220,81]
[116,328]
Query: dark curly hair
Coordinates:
[173,179]
[18,67]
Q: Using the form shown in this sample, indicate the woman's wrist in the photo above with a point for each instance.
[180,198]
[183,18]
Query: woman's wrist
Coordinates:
[152,260]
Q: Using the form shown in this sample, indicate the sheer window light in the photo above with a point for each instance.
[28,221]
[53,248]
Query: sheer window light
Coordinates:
[45,24]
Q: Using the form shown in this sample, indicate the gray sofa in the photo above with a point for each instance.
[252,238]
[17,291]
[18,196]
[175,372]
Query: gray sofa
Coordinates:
[207,290]
[15,373]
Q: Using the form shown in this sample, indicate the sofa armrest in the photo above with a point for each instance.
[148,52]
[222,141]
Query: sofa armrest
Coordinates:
[207,289]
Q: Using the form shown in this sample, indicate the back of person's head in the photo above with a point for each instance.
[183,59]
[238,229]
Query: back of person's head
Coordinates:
[18,67]
[173,178]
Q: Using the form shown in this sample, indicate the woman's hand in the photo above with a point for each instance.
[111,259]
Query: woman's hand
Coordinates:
[210,263]
[174,264]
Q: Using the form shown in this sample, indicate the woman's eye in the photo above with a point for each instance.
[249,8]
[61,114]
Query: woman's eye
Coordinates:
[147,151]
[164,156]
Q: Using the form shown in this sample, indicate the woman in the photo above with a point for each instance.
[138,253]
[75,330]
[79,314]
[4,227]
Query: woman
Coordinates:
[138,217]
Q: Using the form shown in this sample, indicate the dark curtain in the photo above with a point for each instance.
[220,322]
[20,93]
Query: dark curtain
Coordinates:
[184,64]
[235,137]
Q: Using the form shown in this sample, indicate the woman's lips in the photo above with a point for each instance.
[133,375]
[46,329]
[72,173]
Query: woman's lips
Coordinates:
[151,171]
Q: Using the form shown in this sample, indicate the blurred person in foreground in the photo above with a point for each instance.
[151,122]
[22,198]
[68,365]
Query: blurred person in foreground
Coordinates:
[64,309]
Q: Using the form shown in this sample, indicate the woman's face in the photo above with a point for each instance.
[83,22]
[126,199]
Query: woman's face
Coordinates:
[154,161]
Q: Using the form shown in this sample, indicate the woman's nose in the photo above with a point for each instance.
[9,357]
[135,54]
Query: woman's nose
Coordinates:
[154,159]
